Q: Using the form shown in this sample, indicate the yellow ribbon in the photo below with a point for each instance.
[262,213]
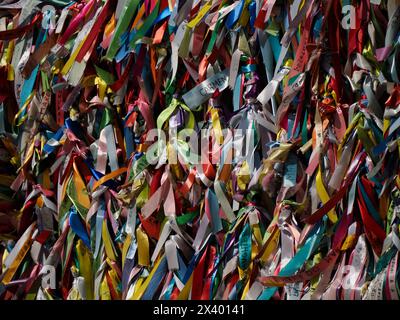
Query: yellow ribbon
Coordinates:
[324,196]
[143,247]
[85,267]
[109,176]
[108,246]
[146,283]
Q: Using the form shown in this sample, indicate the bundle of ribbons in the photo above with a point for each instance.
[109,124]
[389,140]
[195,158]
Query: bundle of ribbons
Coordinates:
[199,149]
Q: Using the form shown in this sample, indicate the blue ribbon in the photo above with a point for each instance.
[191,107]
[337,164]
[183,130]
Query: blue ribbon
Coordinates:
[252,10]
[182,268]
[164,14]
[129,141]
[156,280]
[78,228]
[48,149]
[249,68]
[214,211]
[234,15]
[75,127]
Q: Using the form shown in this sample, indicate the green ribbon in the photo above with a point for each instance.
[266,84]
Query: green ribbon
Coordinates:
[106,119]
[187,217]
[245,247]
[123,23]
[72,194]
[167,113]
[105,75]
[145,27]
